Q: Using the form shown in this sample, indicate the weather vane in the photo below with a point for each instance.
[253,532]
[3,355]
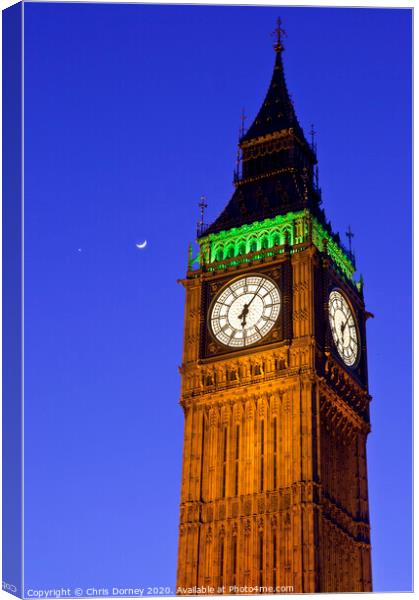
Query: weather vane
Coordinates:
[349,235]
[278,33]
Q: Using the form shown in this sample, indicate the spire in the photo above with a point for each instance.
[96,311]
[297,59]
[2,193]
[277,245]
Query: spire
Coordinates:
[277,111]
[277,163]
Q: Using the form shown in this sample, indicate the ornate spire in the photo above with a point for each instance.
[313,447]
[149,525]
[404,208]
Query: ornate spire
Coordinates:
[277,111]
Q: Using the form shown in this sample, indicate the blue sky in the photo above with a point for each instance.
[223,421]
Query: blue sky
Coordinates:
[131,113]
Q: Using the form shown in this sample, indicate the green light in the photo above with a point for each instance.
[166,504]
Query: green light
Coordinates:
[268,238]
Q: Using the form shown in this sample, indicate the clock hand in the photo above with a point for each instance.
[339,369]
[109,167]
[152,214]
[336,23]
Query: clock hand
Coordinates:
[343,325]
[245,310]
[243,314]
[256,293]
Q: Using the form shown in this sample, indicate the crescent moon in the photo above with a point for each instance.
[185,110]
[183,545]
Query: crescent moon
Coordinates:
[143,245]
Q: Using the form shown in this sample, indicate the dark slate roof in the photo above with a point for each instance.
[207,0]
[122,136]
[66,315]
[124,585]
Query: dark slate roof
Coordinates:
[265,199]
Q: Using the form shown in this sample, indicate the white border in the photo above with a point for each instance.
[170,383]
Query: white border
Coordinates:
[291,3]
[23,295]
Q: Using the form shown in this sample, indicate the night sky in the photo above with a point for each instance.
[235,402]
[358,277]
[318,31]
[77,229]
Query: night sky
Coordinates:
[131,113]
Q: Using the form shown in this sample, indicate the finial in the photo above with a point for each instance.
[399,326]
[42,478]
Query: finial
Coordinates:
[242,120]
[349,235]
[278,33]
[360,286]
[190,257]
[202,205]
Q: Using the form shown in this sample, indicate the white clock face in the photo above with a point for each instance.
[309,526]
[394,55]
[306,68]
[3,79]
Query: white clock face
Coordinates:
[343,326]
[245,311]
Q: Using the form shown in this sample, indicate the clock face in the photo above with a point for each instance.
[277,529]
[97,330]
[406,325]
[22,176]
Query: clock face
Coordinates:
[245,311]
[344,329]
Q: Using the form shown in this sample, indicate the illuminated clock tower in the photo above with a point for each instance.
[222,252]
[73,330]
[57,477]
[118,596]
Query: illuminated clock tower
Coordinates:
[274,382]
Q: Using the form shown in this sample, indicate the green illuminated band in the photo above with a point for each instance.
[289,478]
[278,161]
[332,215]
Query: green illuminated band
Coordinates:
[268,238]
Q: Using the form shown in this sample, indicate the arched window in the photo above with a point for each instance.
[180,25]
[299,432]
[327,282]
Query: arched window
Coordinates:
[230,252]
[260,558]
[219,254]
[236,461]
[224,465]
[234,559]
[287,236]
[242,248]
[274,560]
[221,559]
[262,455]
[201,478]
[253,246]
[275,451]
[276,240]
[265,243]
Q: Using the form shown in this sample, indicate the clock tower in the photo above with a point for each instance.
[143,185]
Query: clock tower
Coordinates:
[274,390]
